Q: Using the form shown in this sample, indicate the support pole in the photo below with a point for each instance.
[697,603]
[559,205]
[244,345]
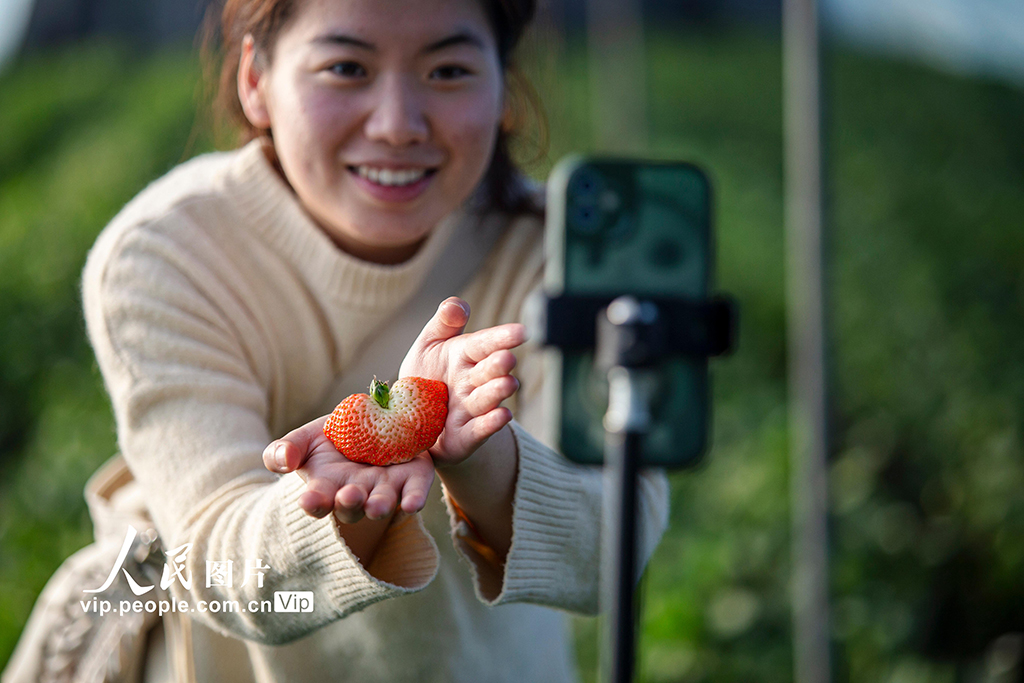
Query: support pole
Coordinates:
[806,338]
[622,455]
[617,66]
[626,423]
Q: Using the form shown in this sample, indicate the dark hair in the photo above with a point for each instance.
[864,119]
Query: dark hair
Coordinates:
[221,46]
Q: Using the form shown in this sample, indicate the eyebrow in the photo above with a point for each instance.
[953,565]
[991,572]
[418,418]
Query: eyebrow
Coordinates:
[463,37]
[341,39]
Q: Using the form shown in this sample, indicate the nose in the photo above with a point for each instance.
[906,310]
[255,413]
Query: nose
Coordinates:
[398,117]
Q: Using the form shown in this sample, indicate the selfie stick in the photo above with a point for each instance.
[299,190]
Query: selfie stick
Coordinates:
[631,337]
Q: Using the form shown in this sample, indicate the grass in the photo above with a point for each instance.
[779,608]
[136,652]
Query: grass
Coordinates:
[926,275]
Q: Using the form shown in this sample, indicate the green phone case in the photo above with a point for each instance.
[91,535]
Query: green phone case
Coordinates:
[629,227]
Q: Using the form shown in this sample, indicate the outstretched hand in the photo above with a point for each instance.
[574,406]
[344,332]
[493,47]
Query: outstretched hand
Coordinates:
[475,367]
[351,490]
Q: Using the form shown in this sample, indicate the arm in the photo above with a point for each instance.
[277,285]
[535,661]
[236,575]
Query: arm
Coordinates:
[483,488]
[555,515]
[475,456]
[190,397]
[535,518]
[365,500]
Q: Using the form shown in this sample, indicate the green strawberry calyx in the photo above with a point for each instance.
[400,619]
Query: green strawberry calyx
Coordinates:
[380,393]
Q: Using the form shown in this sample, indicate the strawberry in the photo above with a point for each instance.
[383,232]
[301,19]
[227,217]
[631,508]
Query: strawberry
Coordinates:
[389,426]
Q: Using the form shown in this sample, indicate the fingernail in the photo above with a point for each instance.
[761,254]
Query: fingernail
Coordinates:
[279,460]
[461,305]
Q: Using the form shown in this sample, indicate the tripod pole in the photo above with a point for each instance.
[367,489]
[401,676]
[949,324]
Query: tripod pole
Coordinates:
[622,455]
[621,348]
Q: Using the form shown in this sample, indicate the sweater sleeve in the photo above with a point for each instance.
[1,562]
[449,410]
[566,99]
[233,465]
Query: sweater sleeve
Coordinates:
[192,419]
[555,555]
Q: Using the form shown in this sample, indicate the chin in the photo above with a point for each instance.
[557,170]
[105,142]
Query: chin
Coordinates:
[398,226]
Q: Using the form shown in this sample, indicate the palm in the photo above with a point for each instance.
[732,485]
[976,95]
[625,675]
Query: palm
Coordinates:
[333,482]
[455,439]
[326,462]
[475,367]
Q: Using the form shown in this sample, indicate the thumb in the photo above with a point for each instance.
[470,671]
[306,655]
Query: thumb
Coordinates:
[449,321]
[291,451]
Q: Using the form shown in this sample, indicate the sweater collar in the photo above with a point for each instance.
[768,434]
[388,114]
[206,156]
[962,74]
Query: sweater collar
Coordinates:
[272,209]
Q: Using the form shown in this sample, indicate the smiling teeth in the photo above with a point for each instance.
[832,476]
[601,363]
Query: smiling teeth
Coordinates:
[387,176]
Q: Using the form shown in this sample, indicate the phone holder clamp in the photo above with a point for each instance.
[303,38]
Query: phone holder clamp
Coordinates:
[666,326]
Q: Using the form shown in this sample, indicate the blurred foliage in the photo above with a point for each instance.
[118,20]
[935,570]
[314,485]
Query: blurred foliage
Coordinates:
[85,129]
[926,277]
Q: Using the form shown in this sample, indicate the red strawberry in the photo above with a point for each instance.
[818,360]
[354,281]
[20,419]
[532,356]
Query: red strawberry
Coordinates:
[392,426]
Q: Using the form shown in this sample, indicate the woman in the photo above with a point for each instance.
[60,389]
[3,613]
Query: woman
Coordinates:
[246,293]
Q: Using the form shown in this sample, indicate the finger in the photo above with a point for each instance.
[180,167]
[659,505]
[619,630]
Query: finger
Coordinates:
[488,425]
[382,501]
[318,498]
[291,451]
[349,503]
[480,345]
[415,491]
[497,364]
[449,321]
[486,398]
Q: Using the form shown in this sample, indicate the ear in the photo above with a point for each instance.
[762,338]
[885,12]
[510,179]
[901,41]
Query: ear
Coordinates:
[252,86]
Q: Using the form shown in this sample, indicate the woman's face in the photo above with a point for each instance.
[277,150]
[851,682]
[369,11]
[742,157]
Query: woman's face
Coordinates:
[383,113]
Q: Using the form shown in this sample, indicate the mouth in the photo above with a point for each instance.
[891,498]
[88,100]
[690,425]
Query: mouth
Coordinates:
[392,177]
[393,186]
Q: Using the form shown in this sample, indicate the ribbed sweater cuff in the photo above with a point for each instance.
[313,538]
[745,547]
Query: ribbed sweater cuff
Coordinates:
[544,517]
[406,559]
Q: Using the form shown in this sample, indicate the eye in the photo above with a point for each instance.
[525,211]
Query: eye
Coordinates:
[347,69]
[449,72]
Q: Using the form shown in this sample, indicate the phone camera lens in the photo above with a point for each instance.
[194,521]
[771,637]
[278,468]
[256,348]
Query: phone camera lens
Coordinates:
[586,186]
[585,219]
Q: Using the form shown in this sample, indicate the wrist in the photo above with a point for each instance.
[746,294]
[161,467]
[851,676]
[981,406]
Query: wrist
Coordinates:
[485,482]
[494,451]
[480,491]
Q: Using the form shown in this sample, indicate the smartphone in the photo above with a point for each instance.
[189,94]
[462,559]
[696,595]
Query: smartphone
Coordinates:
[618,227]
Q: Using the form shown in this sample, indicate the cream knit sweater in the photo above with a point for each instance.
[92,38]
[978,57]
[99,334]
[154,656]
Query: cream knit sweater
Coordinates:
[222,317]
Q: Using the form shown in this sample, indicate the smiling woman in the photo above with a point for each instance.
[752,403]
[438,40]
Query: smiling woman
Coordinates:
[236,301]
[356,99]
[259,24]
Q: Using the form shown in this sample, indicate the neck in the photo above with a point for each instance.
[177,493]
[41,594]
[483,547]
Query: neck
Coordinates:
[385,256]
